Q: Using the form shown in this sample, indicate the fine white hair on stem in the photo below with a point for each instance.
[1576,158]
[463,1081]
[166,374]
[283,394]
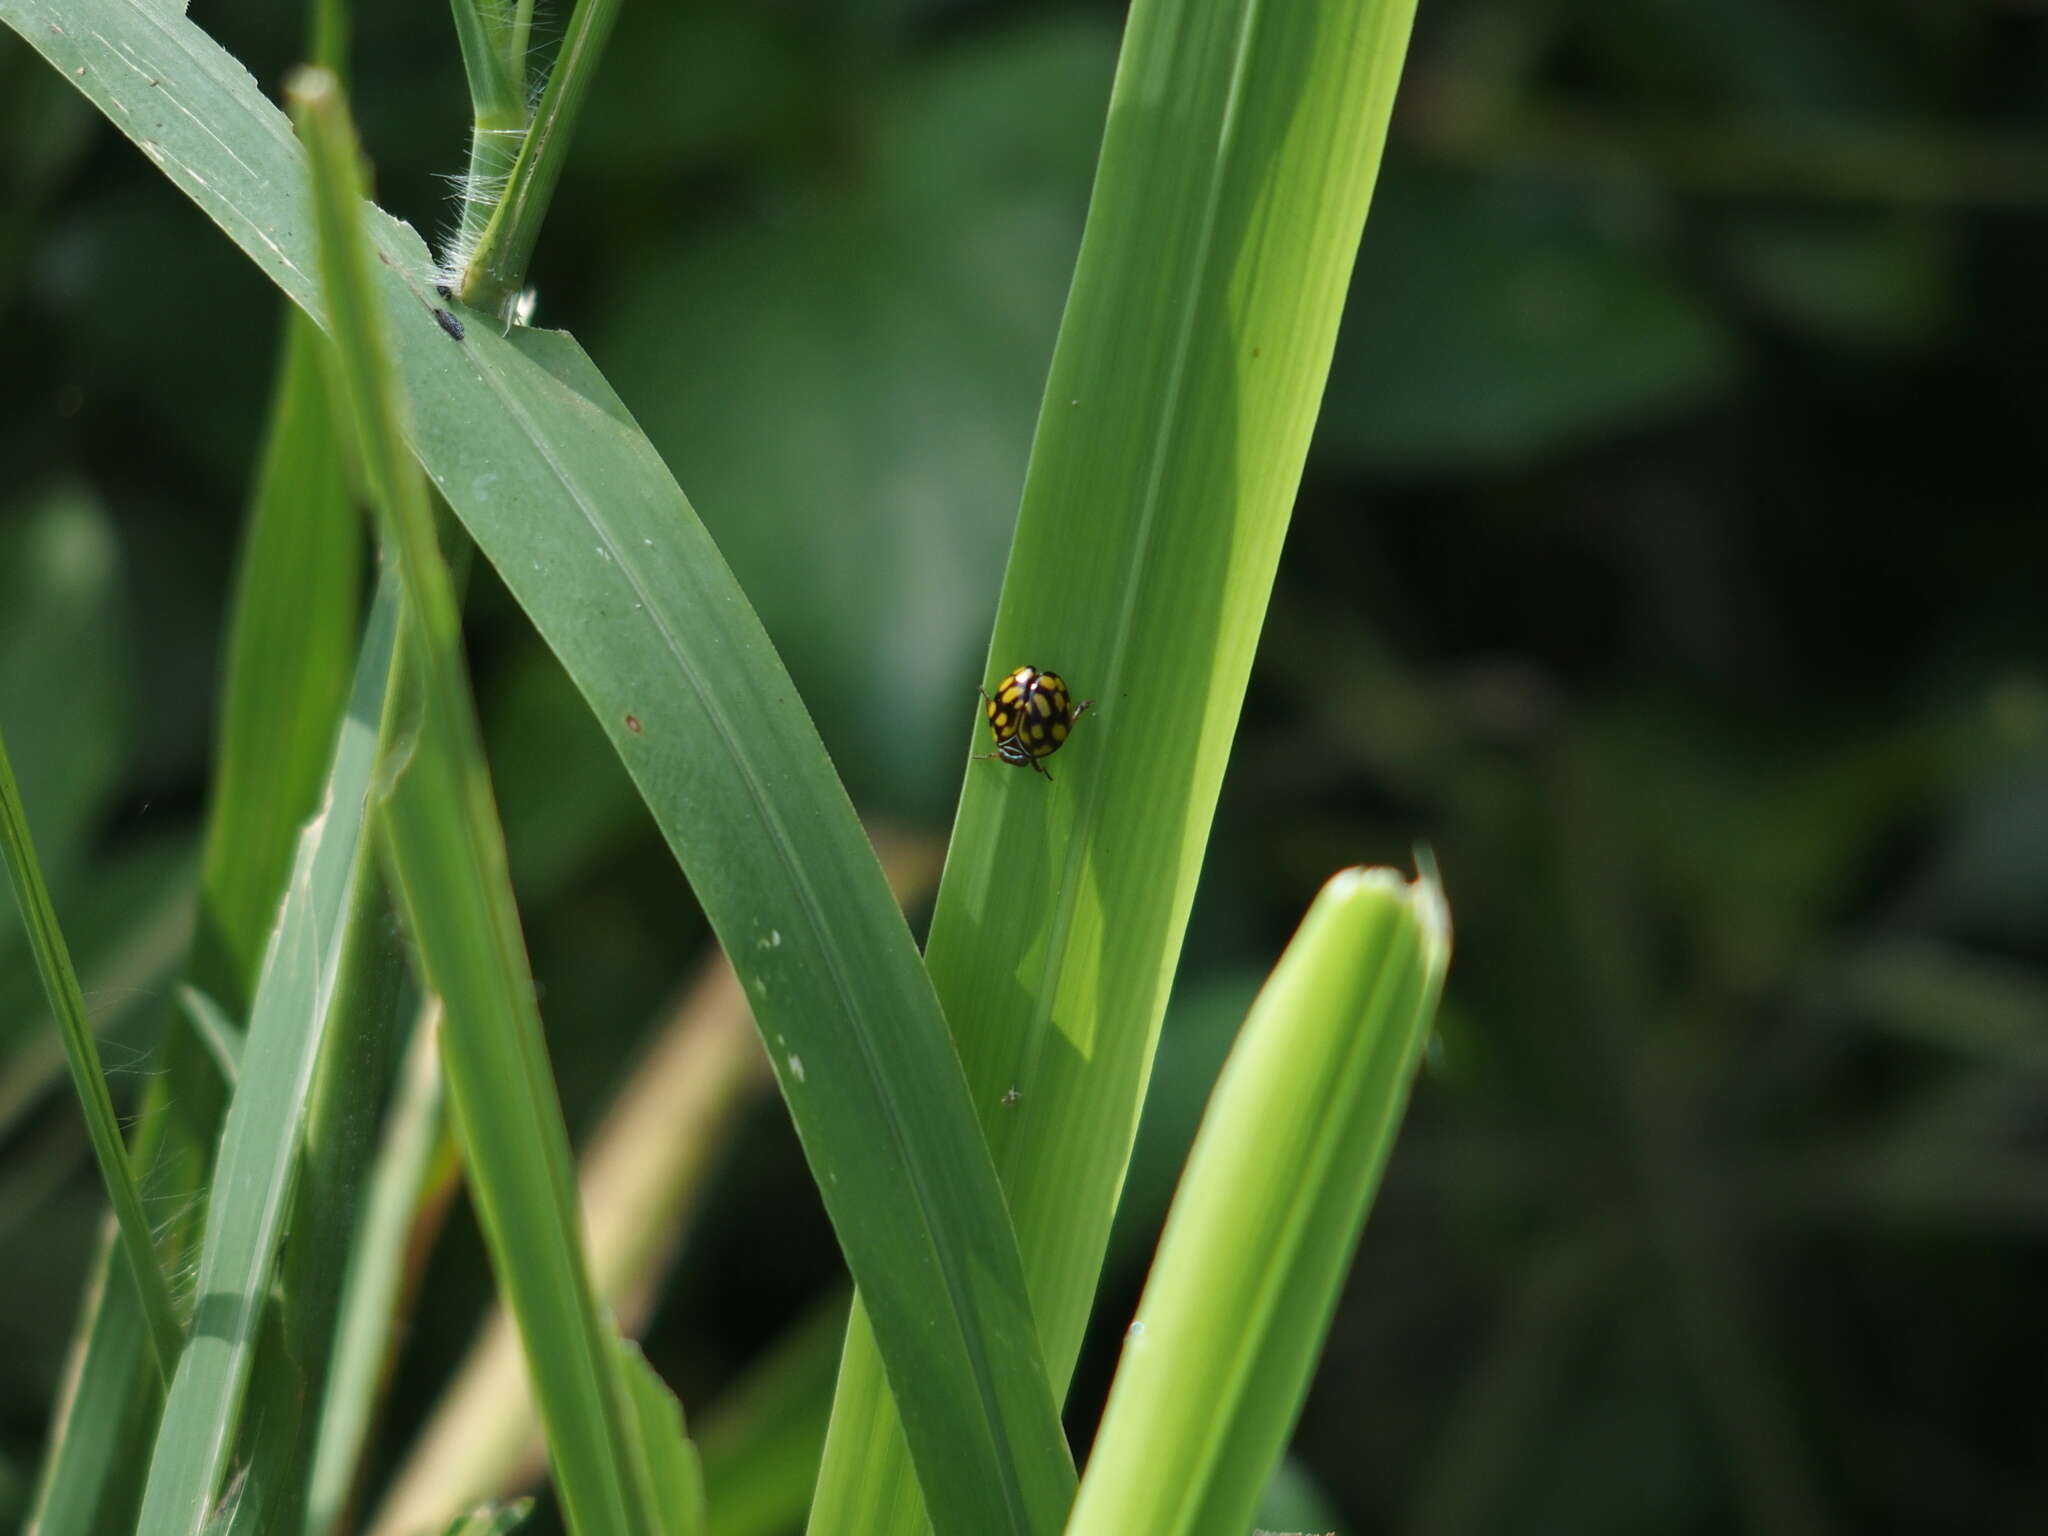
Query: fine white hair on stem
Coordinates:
[477,194]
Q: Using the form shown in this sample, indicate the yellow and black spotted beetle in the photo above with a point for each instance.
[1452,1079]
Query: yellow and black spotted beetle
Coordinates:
[1030,717]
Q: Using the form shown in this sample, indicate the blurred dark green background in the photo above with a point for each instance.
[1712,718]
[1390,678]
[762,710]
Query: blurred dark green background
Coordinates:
[1671,559]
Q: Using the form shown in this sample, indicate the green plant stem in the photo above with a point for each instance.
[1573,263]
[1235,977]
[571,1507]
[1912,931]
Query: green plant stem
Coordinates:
[497,269]
[497,101]
[496,95]
[81,1053]
[328,32]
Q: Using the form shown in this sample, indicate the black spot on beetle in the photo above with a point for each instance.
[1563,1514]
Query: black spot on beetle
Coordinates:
[449,323]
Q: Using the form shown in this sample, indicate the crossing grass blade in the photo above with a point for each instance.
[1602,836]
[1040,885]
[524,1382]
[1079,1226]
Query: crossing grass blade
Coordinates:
[1296,1135]
[260,1140]
[358,1058]
[1242,145]
[448,854]
[575,510]
[292,640]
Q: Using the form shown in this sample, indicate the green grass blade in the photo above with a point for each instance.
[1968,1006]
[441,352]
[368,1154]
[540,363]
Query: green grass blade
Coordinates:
[1262,1230]
[291,647]
[499,1518]
[81,1053]
[1241,150]
[260,1141]
[221,1035]
[575,510]
[292,639]
[88,1486]
[414,1136]
[641,1175]
[449,856]
[674,1476]
[373,994]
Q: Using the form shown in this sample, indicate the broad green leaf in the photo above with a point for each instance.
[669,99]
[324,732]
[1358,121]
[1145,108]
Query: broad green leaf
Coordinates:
[260,1140]
[1241,150]
[1262,1230]
[565,497]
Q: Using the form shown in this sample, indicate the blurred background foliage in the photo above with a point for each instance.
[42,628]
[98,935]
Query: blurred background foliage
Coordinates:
[1671,560]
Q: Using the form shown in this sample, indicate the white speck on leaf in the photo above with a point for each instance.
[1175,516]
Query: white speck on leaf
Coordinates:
[796,1068]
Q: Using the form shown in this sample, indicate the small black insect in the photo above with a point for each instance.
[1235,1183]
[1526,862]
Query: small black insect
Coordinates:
[444,290]
[449,323]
